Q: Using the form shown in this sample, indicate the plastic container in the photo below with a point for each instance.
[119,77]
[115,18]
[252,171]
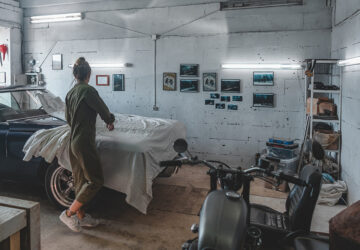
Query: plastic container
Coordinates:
[281,153]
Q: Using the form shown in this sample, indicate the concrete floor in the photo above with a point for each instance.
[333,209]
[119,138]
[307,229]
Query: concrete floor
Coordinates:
[166,226]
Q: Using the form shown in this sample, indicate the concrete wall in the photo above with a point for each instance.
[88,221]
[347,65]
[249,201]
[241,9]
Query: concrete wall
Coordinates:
[193,32]
[11,18]
[345,45]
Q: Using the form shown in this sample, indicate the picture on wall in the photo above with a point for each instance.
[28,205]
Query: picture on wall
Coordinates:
[220,105]
[119,82]
[230,86]
[191,70]
[102,80]
[237,98]
[209,102]
[225,99]
[189,85]
[169,81]
[57,62]
[232,107]
[263,78]
[209,81]
[214,95]
[263,100]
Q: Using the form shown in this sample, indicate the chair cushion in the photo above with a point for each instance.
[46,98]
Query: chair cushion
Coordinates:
[266,217]
[305,243]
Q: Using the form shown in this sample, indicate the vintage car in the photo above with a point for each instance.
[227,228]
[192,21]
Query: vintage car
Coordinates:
[22,113]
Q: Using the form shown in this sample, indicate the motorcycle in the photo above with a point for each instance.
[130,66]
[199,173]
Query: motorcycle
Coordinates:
[225,214]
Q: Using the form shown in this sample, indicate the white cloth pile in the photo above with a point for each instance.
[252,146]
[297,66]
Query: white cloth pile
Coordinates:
[330,193]
[130,154]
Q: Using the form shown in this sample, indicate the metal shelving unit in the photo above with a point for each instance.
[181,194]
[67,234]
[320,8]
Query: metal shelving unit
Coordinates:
[330,73]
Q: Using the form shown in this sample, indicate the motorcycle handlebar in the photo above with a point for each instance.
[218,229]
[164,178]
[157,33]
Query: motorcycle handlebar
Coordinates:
[292,179]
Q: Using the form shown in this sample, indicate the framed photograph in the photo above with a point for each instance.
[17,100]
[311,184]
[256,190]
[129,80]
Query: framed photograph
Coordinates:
[232,107]
[209,102]
[225,99]
[102,80]
[119,82]
[169,81]
[263,78]
[214,96]
[209,82]
[220,105]
[263,100]
[230,85]
[237,98]
[57,63]
[2,77]
[189,85]
[191,70]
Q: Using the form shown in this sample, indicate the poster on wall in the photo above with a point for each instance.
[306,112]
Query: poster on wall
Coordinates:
[225,99]
[220,105]
[230,85]
[191,70]
[209,82]
[237,98]
[119,82]
[263,100]
[263,78]
[102,80]
[232,107]
[214,95]
[2,78]
[209,102]
[57,62]
[169,81]
[189,85]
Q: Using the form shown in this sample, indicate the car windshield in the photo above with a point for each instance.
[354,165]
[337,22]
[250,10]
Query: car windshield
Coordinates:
[22,104]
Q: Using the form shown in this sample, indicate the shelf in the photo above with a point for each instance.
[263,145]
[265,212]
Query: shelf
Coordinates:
[324,120]
[332,150]
[326,91]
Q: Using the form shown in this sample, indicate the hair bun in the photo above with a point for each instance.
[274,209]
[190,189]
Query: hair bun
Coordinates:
[81,69]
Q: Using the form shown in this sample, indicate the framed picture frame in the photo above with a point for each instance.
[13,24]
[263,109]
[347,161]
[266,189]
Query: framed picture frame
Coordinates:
[264,100]
[57,62]
[214,95]
[237,98]
[169,81]
[102,80]
[220,106]
[230,85]
[118,82]
[2,78]
[263,78]
[232,107]
[225,98]
[209,102]
[189,70]
[189,85]
[209,82]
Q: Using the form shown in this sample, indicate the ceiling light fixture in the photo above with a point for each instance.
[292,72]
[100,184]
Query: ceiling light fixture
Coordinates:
[260,66]
[351,61]
[56,18]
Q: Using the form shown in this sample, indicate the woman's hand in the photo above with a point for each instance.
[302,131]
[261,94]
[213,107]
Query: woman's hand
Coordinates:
[110,126]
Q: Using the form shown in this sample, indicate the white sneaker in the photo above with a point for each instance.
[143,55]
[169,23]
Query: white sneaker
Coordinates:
[71,222]
[89,221]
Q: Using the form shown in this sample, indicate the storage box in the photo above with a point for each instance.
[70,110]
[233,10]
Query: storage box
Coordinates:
[325,103]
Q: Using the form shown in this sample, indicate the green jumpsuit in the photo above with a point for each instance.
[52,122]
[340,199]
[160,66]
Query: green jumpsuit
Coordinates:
[83,103]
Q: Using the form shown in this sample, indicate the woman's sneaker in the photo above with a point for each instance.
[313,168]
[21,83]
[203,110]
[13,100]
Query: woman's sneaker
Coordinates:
[71,222]
[89,221]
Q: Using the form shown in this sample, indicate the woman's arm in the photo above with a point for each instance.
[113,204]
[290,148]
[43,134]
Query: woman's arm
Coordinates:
[95,102]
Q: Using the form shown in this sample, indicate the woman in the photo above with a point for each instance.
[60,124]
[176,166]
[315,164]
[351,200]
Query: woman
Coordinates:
[83,103]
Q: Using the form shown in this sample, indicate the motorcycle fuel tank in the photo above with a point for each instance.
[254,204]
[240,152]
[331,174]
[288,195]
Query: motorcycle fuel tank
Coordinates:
[223,221]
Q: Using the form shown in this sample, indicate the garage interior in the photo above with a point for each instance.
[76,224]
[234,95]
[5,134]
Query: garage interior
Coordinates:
[268,85]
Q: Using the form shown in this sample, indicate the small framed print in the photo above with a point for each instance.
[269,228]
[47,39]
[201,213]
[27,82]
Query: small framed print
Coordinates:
[220,106]
[102,80]
[230,85]
[209,82]
[57,62]
[263,78]
[2,77]
[189,85]
[191,70]
[209,102]
[169,81]
[119,82]
[263,100]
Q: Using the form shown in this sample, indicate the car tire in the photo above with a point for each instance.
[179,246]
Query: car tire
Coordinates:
[59,185]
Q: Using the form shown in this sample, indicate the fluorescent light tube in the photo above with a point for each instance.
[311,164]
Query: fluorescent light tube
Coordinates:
[56,18]
[351,61]
[260,66]
[105,65]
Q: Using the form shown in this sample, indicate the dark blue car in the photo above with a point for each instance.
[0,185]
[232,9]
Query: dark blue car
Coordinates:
[23,112]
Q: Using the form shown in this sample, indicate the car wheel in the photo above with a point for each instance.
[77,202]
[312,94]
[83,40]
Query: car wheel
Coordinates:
[59,185]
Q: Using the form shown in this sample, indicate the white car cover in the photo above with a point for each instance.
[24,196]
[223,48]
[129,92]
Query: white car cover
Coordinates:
[130,154]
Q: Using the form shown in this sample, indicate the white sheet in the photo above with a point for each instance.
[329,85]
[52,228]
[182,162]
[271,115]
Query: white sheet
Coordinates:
[129,155]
